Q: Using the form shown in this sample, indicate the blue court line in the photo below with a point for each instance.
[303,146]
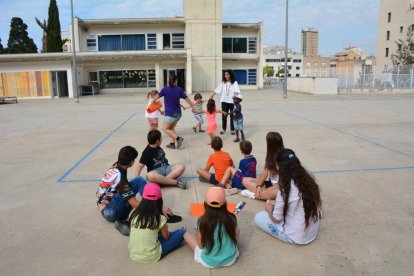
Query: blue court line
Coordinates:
[313,172]
[61,179]
[349,134]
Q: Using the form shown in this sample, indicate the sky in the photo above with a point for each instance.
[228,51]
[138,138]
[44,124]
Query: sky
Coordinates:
[341,23]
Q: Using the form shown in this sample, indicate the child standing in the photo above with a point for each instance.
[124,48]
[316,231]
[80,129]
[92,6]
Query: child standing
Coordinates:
[238,117]
[219,160]
[198,112]
[215,243]
[247,168]
[150,239]
[153,111]
[211,118]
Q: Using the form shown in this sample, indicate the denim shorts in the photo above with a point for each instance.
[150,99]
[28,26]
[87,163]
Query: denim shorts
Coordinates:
[172,119]
[238,124]
[199,118]
[164,170]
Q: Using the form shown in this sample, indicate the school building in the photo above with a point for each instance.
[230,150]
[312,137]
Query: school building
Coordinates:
[137,55]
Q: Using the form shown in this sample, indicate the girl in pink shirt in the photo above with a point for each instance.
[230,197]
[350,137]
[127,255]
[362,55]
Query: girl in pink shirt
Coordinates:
[211,118]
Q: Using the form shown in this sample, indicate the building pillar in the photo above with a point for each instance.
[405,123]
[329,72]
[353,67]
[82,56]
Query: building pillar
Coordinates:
[188,74]
[70,83]
[158,79]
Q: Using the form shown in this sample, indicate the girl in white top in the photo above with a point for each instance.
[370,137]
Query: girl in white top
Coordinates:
[153,115]
[295,216]
[228,89]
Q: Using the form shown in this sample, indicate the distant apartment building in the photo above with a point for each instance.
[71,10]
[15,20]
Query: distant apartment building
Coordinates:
[309,42]
[396,17]
[138,54]
[351,62]
[275,57]
[317,67]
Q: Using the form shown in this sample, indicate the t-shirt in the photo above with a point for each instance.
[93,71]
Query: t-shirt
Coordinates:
[153,158]
[220,160]
[247,167]
[227,90]
[237,115]
[172,96]
[155,114]
[144,245]
[198,107]
[220,256]
[295,217]
[211,118]
[114,181]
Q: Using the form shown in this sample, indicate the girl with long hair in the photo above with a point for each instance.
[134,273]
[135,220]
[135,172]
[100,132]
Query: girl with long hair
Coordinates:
[296,214]
[261,188]
[215,243]
[150,239]
[211,119]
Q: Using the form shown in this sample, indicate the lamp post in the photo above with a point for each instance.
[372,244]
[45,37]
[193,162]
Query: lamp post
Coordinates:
[286,53]
[74,68]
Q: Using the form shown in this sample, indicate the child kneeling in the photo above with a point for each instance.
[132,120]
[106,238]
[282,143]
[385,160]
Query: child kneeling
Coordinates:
[215,243]
[150,239]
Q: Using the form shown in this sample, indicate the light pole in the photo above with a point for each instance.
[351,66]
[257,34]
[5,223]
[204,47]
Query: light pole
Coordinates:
[74,68]
[286,53]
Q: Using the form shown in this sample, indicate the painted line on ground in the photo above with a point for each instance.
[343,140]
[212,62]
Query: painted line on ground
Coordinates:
[61,179]
[348,134]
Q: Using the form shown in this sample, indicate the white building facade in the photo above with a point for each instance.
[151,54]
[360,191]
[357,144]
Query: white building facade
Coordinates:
[275,58]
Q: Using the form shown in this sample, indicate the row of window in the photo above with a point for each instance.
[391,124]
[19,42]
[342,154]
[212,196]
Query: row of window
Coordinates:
[239,45]
[283,60]
[401,30]
[126,79]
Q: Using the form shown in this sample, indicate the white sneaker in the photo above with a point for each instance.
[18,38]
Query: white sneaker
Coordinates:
[230,191]
[247,193]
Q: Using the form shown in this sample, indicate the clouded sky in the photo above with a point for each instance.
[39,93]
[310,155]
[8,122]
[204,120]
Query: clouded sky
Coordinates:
[340,22]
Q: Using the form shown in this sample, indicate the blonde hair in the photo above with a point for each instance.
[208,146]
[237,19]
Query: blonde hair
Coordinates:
[152,93]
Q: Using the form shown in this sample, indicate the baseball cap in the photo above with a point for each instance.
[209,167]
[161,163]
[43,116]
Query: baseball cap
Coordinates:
[215,197]
[238,96]
[152,191]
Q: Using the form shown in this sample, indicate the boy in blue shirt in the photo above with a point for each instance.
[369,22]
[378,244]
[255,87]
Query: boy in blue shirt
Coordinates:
[238,117]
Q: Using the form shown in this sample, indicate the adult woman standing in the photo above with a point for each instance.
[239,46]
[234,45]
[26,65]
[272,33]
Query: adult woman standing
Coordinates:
[228,89]
[296,215]
[172,114]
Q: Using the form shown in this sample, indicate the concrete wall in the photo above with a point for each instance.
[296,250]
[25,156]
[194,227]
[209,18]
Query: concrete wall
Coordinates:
[320,86]
[376,91]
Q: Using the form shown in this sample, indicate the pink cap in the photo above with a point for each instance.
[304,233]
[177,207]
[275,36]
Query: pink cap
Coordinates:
[215,197]
[152,191]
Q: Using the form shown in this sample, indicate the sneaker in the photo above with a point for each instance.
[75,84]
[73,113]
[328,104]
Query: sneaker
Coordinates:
[221,185]
[171,146]
[236,140]
[248,194]
[222,132]
[182,184]
[174,219]
[231,191]
[201,130]
[233,133]
[202,179]
[195,129]
[123,227]
[179,142]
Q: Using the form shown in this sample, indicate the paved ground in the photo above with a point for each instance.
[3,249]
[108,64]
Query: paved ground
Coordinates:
[360,149]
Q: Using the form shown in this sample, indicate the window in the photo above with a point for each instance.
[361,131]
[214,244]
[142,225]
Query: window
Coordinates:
[93,76]
[227,45]
[297,75]
[412,28]
[127,79]
[252,45]
[91,43]
[270,60]
[252,76]
[135,78]
[386,52]
[401,29]
[133,42]
[289,67]
[151,78]
[240,76]
[111,79]
[297,60]
[177,41]
[277,60]
[109,42]
[388,35]
[129,42]
[239,45]
[297,68]
[151,41]
[389,17]
[166,41]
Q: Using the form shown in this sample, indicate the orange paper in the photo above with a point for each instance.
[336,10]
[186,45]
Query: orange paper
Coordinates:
[154,106]
[197,209]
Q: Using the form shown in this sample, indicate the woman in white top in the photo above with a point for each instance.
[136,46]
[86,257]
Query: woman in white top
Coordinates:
[296,215]
[228,89]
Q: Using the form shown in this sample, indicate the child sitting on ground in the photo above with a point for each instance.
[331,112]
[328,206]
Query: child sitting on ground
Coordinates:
[198,112]
[215,243]
[219,160]
[153,111]
[238,117]
[247,168]
[150,239]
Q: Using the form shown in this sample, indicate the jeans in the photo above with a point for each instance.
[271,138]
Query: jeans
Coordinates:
[119,209]
[263,221]
[227,107]
[175,239]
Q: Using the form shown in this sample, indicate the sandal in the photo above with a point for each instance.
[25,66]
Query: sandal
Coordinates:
[174,219]
[222,132]
[233,133]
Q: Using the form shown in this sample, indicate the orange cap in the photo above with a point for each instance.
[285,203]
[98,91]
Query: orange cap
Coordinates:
[215,197]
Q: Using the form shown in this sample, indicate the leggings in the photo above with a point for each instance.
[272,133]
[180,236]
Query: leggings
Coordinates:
[227,107]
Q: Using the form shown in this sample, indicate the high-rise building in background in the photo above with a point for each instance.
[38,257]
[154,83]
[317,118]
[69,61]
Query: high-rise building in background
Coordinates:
[309,42]
[396,17]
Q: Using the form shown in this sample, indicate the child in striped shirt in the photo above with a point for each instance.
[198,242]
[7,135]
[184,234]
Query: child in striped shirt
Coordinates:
[198,112]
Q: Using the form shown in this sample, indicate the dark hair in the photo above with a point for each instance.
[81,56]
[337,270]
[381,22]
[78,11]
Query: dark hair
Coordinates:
[216,143]
[172,79]
[126,155]
[290,168]
[148,214]
[232,80]
[246,147]
[197,96]
[274,143]
[153,136]
[216,217]
[211,106]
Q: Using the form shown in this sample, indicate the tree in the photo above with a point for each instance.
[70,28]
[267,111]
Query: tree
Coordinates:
[44,28]
[1,47]
[405,50]
[268,71]
[53,39]
[19,40]
[281,72]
